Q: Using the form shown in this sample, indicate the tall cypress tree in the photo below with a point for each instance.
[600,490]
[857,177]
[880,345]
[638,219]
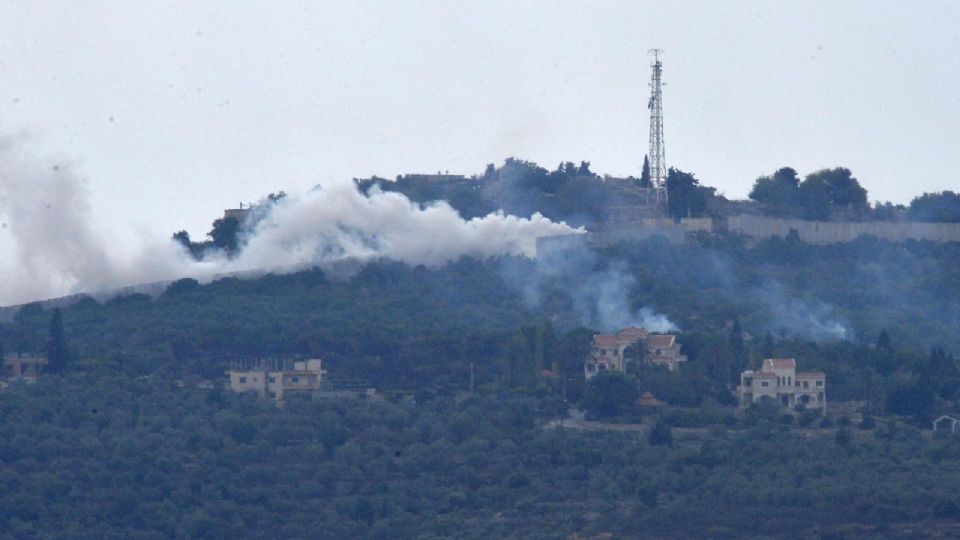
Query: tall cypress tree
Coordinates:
[58,356]
[645,173]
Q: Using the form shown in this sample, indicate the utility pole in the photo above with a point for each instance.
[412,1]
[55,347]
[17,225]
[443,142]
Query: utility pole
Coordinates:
[658,164]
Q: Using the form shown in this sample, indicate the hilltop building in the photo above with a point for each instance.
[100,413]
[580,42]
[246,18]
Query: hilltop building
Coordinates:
[613,352]
[778,380]
[306,376]
[23,366]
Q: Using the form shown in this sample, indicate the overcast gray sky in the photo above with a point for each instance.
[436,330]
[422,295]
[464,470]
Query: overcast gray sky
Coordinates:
[174,110]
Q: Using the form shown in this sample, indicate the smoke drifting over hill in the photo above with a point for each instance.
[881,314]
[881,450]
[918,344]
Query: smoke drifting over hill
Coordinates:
[600,292]
[52,249]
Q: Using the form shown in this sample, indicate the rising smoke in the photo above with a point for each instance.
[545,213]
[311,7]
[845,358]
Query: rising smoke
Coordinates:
[805,318]
[600,291]
[54,250]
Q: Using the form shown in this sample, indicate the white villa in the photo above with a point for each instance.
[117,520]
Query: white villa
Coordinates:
[779,381]
[305,376]
[609,351]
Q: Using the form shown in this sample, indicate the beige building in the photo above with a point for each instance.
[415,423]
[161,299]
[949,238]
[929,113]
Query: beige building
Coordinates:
[778,380]
[610,351]
[23,366]
[305,376]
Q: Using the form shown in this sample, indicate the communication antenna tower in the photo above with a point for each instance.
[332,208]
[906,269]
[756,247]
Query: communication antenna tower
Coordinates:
[658,164]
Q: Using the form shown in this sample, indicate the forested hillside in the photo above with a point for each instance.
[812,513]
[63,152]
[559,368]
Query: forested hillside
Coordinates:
[782,287]
[110,457]
[131,435]
[871,314]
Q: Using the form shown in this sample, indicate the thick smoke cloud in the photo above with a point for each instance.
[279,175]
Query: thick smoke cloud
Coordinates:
[337,222]
[53,250]
[49,246]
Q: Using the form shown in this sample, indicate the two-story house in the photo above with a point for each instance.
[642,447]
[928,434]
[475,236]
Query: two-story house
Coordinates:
[612,352]
[305,376]
[778,380]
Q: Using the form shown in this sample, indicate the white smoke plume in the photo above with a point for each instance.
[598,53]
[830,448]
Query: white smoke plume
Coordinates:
[54,251]
[337,222]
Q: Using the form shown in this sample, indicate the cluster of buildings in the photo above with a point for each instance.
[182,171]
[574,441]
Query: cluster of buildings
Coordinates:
[614,352]
[777,380]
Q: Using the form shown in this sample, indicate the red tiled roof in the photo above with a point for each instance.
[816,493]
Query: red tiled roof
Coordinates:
[811,374]
[633,332]
[781,362]
[605,340]
[661,341]
[649,400]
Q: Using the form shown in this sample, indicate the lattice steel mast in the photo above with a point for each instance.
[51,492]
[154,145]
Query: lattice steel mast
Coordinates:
[658,164]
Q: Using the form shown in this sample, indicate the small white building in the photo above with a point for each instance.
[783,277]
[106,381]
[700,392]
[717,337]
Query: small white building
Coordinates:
[305,376]
[778,380]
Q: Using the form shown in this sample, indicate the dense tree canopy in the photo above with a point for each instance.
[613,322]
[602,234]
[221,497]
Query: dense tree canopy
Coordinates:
[110,457]
[817,197]
[937,207]
[685,196]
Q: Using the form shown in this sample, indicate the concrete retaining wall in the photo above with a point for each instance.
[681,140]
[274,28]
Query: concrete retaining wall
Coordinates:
[823,232]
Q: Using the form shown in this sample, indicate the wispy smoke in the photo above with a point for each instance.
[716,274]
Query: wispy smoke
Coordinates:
[600,292]
[808,319]
[46,215]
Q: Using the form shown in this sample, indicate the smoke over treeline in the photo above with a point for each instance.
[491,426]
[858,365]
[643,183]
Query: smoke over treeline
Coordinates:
[55,250]
[779,286]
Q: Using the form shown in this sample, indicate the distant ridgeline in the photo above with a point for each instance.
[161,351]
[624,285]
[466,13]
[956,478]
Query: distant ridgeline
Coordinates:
[571,193]
[828,206]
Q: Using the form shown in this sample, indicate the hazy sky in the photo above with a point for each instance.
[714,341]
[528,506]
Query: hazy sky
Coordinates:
[175,110]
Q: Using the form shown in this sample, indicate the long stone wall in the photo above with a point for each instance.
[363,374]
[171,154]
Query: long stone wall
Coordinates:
[828,232]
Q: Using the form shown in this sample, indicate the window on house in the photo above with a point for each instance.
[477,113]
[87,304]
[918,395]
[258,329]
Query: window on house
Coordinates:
[296,379]
[806,384]
[764,383]
[819,383]
[273,380]
[243,380]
